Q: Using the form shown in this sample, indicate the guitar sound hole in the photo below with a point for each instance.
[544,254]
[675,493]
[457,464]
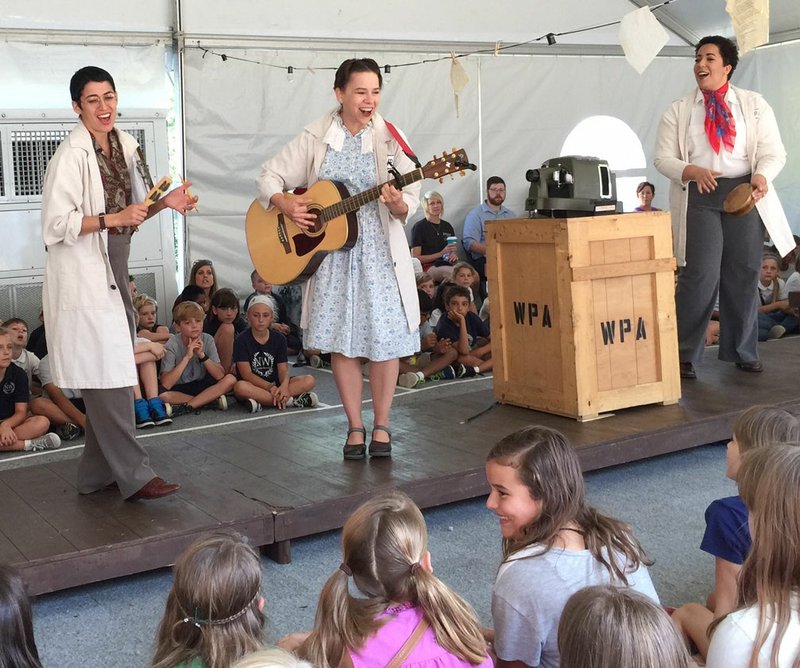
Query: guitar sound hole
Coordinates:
[319,225]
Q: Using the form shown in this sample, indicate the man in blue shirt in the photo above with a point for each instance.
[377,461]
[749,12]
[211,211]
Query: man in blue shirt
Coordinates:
[475,223]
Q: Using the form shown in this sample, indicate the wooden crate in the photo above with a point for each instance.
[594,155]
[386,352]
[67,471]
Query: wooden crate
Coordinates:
[583,313]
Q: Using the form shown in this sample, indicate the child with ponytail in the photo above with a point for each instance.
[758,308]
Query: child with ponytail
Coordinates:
[383,606]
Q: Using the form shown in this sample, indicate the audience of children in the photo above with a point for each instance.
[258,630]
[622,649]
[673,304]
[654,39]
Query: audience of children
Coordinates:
[18,429]
[465,331]
[147,309]
[213,615]
[384,599]
[281,321]
[191,373]
[727,535]
[775,316]
[224,323]
[764,629]
[605,626]
[18,647]
[554,544]
[464,274]
[435,360]
[262,364]
[63,407]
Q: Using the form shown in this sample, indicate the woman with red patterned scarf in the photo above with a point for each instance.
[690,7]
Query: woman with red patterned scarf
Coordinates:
[709,142]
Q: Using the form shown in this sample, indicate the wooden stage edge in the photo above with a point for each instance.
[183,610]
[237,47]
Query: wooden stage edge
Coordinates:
[282,479]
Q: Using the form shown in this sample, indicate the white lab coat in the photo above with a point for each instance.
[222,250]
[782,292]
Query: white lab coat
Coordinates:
[88,338]
[298,165]
[764,148]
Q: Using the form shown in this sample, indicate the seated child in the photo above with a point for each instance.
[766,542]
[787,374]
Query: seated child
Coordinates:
[385,599]
[16,622]
[605,626]
[425,284]
[465,331]
[464,275]
[213,615]
[147,309]
[271,658]
[434,360]
[18,430]
[263,366]
[775,316]
[64,407]
[37,341]
[727,535]
[23,358]
[554,544]
[191,293]
[281,322]
[224,323]
[148,407]
[191,375]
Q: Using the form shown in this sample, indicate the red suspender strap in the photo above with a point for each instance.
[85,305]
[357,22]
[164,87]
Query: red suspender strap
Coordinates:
[406,148]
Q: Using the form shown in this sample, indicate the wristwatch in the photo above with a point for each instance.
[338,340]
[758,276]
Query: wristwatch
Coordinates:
[203,359]
[102,218]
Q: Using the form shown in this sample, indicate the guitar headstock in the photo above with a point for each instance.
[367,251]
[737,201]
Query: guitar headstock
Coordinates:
[449,163]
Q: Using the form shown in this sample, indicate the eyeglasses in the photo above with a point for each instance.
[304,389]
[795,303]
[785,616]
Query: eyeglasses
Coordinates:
[497,189]
[94,100]
[199,263]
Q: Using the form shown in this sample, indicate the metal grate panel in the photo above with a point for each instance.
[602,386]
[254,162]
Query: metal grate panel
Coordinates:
[145,283]
[31,150]
[21,300]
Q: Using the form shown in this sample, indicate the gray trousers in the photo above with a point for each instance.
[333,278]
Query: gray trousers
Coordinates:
[112,452]
[723,254]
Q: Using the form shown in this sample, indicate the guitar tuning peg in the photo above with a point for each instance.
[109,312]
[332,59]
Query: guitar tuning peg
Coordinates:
[441,180]
[454,149]
[461,172]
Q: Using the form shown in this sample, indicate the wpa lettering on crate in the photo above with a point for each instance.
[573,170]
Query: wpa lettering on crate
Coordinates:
[612,333]
[527,313]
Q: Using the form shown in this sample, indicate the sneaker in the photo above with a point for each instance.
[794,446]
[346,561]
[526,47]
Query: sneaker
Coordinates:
[459,369]
[46,442]
[158,411]
[182,409]
[448,373]
[776,332]
[222,403]
[142,411]
[68,431]
[317,362]
[470,371]
[408,379]
[305,400]
[254,406]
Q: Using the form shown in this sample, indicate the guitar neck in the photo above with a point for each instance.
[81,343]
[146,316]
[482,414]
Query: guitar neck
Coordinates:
[355,202]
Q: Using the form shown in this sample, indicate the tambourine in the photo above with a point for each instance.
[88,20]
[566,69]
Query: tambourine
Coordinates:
[740,200]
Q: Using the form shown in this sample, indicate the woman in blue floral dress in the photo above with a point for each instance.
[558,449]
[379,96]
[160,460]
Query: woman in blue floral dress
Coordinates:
[361,303]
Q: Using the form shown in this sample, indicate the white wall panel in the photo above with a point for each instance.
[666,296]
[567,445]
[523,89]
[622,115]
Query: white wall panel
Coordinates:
[81,15]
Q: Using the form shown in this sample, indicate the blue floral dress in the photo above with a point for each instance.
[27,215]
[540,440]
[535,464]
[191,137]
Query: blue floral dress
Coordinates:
[356,309]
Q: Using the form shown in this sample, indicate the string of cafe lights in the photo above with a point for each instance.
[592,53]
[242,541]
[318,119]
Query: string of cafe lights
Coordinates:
[550,37]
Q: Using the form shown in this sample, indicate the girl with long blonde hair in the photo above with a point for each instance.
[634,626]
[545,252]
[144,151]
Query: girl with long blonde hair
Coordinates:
[764,630]
[384,602]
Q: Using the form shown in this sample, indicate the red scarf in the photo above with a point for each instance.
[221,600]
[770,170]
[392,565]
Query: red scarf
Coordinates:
[720,127]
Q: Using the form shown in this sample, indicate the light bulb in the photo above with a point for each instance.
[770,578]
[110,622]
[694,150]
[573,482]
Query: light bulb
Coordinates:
[387,73]
[290,74]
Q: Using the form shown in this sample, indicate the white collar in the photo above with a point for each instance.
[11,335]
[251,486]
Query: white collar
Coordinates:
[334,137]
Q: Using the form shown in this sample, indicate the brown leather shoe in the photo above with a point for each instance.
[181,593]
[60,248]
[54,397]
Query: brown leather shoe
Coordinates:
[155,489]
[687,370]
[753,367]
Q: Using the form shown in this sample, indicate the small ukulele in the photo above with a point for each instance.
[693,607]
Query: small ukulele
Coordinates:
[283,252]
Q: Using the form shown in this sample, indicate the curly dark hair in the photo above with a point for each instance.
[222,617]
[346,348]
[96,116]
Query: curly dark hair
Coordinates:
[727,49]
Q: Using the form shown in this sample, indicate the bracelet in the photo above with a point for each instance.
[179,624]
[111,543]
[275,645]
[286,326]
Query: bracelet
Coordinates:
[203,359]
[102,218]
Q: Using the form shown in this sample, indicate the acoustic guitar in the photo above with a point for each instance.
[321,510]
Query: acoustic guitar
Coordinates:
[283,252]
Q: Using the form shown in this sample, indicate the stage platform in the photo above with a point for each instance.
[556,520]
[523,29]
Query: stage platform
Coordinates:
[276,477]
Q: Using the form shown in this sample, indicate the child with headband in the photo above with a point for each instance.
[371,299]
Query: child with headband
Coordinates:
[213,614]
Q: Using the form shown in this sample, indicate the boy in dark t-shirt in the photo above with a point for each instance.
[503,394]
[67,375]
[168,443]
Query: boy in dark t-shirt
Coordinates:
[465,330]
[18,430]
[260,356]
